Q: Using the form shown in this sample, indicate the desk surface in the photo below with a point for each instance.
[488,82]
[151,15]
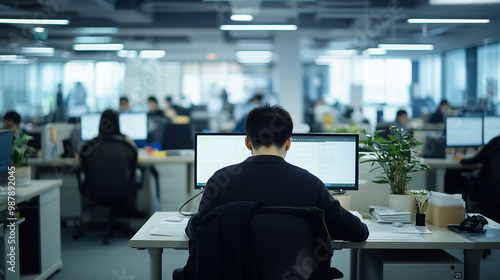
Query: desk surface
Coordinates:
[36,188]
[146,160]
[440,238]
[447,163]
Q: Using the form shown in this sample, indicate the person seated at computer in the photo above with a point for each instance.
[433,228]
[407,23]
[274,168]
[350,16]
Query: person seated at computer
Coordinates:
[154,110]
[267,177]
[170,111]
[440,114]
[124,105]
[401,119]
[256,100]
[12,120]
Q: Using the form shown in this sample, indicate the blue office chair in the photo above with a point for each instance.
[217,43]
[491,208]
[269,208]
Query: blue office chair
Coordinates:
[109,165]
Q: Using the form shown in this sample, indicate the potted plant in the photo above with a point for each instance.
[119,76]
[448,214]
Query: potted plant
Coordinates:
[396,158]
[19,158]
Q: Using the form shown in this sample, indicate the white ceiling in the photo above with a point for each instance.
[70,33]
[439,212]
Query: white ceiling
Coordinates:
[189,29]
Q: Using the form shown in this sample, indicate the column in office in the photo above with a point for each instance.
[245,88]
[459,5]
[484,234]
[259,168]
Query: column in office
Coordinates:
[287,73]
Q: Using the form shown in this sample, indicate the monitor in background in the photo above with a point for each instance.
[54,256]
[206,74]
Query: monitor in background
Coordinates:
[5,153]
[177,137]
[89,126]
[464,131]
[333,158]
[491,128]
[134,125]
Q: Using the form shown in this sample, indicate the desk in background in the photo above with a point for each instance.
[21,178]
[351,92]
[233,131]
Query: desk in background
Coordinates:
[439,165]
[175,174]
[40,234]
[441,238]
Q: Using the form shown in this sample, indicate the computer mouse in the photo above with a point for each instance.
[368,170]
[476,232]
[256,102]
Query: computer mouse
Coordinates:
[397,224]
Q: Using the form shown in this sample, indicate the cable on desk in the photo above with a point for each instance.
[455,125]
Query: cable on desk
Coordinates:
[185,203]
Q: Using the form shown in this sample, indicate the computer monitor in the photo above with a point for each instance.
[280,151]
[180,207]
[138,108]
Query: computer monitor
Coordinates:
[5,153]
[89,126]
[333,158]
[134,125]
[491,128]
[464,131]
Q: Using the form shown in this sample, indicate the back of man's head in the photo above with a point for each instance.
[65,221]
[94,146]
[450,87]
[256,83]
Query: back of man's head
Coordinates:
[401,113]
[268,125]
[13,116]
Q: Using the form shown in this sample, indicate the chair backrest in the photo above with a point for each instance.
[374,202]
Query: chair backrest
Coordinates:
[109,165]
[291,243]
[491,173]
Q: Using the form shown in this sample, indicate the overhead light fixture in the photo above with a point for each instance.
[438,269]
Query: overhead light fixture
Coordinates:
[406,47]
[95,30]
[152,54]
[40,51]
[450,20]
[241,17]
[39,29]
[461,2]
[35,21]
[254,54]
[277,27]
[9,57]
[375,51]
[93,39]
[127,54]
[341,52]
[98,47]
[254,60]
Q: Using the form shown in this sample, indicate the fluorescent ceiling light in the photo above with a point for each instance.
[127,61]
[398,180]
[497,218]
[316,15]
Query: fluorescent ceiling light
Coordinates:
[443,20]
[254,54]
[341,52]
[376,51]
[127,54]
[152,54]
[241,17]
[407,47]
[35,21]
[95,30]
[38,50]
[98,47]
[39,29]
[461,2]
[254,60]
[9,57]
[281,27]
[93,39]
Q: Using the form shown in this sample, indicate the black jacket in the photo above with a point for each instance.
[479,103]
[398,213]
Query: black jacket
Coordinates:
[275,182]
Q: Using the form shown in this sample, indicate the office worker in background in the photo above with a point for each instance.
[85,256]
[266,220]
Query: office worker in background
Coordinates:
[169,111]
[401,119]
[12,120]
[440,114]
[110,125]
[267,177]
[124,105]
[154,110]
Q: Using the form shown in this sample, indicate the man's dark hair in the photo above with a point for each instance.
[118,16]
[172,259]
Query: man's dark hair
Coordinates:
[12,115]
[152,98]
[443,102]
[268,125]
[401,113]
[124,99]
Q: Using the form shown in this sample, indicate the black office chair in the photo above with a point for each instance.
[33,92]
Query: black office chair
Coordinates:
[291,242]
[109,165]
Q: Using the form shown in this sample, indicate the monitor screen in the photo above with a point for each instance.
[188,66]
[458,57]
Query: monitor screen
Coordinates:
[89,126]
[491,128]
[134,125]
[5,152]
[333,158]
[464,131]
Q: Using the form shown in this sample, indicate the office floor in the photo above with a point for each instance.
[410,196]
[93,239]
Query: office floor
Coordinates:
[87,258]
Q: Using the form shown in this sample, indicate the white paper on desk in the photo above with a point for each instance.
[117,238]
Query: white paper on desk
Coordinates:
[356,213]
[178,232]
[174,221]
[384,232]
[411,229]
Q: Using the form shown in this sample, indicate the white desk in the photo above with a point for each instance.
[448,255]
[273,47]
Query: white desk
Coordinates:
[45,211]
[441,238]
[439,165]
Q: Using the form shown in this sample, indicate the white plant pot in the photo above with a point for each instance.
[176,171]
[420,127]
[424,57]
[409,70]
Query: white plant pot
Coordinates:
[401,201]
[23,176]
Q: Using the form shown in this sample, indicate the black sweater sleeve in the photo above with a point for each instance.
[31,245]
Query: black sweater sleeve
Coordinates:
[481,155]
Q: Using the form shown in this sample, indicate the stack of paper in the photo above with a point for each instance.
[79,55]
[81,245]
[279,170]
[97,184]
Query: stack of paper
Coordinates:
[388,215]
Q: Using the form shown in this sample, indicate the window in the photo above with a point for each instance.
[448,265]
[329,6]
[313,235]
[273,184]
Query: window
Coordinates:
[455,77]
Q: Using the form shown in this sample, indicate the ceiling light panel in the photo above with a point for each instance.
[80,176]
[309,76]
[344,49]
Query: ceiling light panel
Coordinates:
[35,21]
[443,20]
[98,47]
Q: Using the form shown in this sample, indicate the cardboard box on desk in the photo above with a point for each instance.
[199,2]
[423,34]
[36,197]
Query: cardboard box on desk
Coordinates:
[441,216]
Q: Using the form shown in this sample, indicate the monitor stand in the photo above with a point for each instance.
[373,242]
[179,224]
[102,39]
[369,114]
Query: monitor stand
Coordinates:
[338,192]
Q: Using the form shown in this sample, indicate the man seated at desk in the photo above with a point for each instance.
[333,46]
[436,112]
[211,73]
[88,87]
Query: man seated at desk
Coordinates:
[266,176]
